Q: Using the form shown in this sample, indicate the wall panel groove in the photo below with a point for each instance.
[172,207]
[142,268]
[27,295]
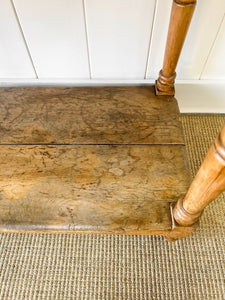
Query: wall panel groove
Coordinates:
[150,40]
[106,39]
[23,37]
[86,36]
[200,38]
[55,34]
[203,29]
[158,39]
[119,33]
[215,64]
[14,58]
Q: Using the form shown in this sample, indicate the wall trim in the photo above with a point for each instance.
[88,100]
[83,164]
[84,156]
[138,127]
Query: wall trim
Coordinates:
[201,97]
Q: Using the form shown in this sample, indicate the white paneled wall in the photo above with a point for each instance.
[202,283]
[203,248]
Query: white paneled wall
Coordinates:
[200,38]
[158,39]
[118,37]
[14,59]
[215,65]
[105,39]
[55,34]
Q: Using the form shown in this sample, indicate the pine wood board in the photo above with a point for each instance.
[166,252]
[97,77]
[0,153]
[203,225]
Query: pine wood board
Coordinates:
[90,160]
[88,115]
[101,188]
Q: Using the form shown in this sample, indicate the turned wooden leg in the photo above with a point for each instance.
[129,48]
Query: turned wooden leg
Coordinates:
[181,14]
[207,185]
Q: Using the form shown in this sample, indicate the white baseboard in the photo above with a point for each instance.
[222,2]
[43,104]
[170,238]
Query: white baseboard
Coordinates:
[194,96]
[73,82]
[202,97]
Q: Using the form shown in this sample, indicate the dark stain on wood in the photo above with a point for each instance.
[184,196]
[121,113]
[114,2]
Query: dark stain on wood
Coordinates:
[89,160]
[93,115]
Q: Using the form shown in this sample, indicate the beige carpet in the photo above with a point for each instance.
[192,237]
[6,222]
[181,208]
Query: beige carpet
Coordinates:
[124,267]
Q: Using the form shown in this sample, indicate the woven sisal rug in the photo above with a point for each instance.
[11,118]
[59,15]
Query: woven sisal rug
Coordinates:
[124,267]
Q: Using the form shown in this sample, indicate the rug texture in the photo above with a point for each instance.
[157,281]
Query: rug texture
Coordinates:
[48,266]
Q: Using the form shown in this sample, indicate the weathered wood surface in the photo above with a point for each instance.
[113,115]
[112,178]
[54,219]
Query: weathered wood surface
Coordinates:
[92,188]
[88,115]
[90,160]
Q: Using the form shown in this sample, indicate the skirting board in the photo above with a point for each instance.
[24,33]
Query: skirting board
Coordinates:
[194,96]
[201,97]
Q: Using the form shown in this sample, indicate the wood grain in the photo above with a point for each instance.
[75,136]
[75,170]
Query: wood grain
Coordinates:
[90,188]
[93,115]
[207,185]
[181,14]
[90,160]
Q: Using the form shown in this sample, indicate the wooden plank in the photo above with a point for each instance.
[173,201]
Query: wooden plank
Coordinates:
[88,115]
[14,59]
[104,188]
[87,217]
[118,37]
[55,34]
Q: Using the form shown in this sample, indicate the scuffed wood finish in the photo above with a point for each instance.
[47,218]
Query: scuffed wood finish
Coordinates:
[181,14]
[90,188]
[207,185]
[177,230]
[90,160]
[90,115]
